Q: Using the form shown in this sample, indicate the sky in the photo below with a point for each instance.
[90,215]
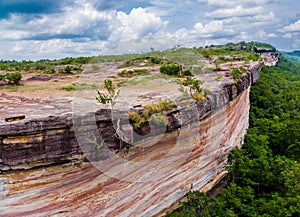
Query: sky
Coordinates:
[52,29]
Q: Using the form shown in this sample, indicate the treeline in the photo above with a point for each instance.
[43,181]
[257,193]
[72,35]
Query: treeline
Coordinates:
[266,171]
[187,56]
[43,64]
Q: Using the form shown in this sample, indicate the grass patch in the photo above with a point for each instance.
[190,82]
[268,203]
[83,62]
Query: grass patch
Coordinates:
[132,73]
[152,112]
[79,86]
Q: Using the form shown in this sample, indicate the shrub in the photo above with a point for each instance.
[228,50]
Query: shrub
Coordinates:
[218,78]
[12,78]
[68,69]
[136,119]
[195,90]
[132,73]
[170,69]
[155,60]
[152,112]
[191,81]
[242,69]
[235,73]
[107,98]
[198,97]
[159,107]
[71,87]
[188,73]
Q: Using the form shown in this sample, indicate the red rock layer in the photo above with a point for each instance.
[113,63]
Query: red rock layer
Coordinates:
[143,182]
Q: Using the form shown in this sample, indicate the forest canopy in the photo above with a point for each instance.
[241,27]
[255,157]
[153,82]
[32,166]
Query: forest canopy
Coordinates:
[266,171]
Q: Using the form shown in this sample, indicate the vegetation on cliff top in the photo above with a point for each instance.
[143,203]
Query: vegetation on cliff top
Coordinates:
[266,171]
[184,56]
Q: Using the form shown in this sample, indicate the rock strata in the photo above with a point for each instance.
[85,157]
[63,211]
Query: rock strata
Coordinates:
[145,180]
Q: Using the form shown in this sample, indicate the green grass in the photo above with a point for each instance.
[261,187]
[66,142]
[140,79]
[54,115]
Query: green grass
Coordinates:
[79,86]
[132,73]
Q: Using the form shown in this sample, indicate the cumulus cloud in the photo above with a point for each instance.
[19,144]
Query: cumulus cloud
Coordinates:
[210,28]
[86,27]
[294,27]
[79,25]
[81,21]
[138,23]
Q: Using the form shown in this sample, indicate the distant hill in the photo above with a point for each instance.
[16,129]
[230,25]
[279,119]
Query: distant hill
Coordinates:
[293,56]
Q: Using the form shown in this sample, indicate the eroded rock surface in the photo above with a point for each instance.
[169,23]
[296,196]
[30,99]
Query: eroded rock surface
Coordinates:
[146,180]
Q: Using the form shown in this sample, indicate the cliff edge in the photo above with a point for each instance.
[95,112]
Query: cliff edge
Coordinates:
[121,179]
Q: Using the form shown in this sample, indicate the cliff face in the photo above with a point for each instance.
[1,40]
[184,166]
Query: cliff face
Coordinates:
[145,181]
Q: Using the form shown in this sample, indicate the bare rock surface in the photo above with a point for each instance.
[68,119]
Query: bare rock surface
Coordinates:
[143,179]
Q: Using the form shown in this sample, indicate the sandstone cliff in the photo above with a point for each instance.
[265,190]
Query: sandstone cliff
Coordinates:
[191,154]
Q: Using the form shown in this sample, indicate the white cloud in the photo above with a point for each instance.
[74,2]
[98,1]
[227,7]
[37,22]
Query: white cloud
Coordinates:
[231,3]
[294,27]
[292,32]
[82,20]
[250,23]
[138,23]
[210,28]
[88,27]
[238,11]
[80,29]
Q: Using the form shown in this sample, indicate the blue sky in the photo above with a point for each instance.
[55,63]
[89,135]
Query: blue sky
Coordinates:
[37,29]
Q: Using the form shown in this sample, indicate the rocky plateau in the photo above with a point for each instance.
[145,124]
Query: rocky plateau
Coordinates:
[57,160]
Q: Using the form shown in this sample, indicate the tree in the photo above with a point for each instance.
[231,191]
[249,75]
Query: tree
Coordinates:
[107,98]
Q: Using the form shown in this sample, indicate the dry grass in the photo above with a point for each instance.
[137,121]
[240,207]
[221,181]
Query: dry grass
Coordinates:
[198,97]
[152,112]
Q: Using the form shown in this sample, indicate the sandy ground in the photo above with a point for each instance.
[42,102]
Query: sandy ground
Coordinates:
[35,88]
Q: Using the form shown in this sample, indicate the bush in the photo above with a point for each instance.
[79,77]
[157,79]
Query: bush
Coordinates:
[235,73]
[153,112]
[188,73]
[170,69]
[198,97]
[195,90]
[12,78]
[219,77]
[68,69]
[136,119]
[107,98]
[132,73]
[71,87]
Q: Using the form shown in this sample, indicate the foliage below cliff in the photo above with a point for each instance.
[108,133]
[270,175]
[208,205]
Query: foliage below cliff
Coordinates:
[266,171]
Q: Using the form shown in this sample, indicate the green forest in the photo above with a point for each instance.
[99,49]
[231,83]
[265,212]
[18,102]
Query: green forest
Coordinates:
[293,56]
[265,173]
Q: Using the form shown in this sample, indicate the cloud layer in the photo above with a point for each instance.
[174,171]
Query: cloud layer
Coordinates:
[52,29]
